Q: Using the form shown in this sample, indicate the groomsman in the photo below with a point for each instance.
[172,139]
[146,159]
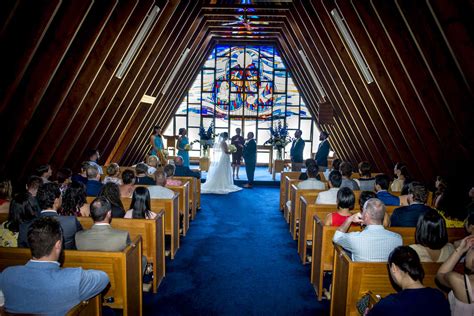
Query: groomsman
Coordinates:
[296,152]
[250,156]
[323,151]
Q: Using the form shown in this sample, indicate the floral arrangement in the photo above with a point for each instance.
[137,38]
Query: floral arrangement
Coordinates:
[206,137]
[279,137]
[232,148]
[187,147]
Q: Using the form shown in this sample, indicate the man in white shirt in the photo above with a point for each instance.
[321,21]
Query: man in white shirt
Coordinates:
[374,243]
[330,196]
[159,191]
[312,183]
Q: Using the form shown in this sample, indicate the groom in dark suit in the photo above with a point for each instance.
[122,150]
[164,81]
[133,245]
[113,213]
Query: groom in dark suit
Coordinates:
[250,156]
[323,151]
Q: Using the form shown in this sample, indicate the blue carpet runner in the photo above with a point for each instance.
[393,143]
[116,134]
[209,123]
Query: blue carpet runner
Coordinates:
[237,259]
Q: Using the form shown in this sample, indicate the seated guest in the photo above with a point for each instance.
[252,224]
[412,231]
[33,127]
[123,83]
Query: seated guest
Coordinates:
[74,202]
[374,243]
[140,205]
[345,203]
[94,156]
[183,171]
[159,191]
[93,185]
[439,195]
[113,172]
[101,236]
[312,183]
[461,297]
[407,216]
[32,186]
[381,186]
[414,298]
[347,182]
[41,286]
[44,172]
[82,176]
[111,192]
[330,196]
[401,174]
[49,199]
[169,171]
[365,181]
[63,178]
[5,195]
[367,195]
[308,162]
[141,170]
[21,211]
[336,163]
[431,238]
[152,163]
[128,186]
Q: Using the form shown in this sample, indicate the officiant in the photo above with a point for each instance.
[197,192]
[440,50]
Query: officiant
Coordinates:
[250,156]
[238,141]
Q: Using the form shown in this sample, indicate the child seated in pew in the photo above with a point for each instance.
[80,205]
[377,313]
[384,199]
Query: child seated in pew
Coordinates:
[345,204]
[169,171]
[431,237]
[140,205]
[414,298]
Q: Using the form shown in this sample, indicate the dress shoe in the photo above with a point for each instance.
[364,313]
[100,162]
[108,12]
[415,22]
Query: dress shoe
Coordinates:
[248,186]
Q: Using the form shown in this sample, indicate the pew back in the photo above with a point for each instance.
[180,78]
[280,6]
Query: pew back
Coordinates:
[194,192]
[153,240]
[183,202]
[285,176]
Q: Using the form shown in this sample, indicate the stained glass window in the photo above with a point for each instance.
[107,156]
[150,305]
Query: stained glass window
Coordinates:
[247,87]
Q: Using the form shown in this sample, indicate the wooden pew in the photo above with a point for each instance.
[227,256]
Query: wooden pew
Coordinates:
[123,268]
[286,210]
[171,208]
[295,210]
[323,255]
[194,193]
[183,202]
[351,280]
[152,233]
[285,176]
[308,211]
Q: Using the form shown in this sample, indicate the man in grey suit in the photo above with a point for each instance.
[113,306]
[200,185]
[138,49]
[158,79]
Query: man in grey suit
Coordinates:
[101,236]
[41,286]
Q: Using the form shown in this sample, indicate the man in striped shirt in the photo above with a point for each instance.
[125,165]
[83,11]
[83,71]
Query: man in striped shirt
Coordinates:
[374,243]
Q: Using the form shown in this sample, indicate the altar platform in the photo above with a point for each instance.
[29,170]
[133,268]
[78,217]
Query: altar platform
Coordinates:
[262,177]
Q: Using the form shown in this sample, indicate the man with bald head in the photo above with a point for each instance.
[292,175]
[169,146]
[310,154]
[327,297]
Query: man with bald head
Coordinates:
[159,191]
[183,171]
[374,243]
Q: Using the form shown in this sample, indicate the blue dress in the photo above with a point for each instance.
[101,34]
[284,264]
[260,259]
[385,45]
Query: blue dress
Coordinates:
[183,153]
[158,144]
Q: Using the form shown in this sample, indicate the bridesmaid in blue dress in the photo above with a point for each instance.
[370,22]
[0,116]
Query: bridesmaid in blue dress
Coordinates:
[181,144]
[156,140]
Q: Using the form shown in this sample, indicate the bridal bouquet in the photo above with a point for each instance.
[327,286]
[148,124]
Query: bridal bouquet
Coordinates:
[232,148]
[279,138]
[187,147]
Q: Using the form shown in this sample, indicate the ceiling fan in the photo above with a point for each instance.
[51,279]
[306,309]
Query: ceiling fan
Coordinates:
[245,20]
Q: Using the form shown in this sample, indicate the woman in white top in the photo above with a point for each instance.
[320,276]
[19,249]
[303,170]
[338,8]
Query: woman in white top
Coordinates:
[431,238]
[140,206]
[461,297]
[401,173]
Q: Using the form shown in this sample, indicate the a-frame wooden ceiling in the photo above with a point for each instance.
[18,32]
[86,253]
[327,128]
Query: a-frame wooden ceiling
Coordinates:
[59,95]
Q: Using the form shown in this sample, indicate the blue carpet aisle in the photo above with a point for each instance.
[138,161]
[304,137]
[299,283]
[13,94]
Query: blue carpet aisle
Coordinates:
[238,258]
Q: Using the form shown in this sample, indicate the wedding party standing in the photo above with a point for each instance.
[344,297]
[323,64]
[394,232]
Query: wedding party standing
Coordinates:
[238,141]
[219,178]
[296,151]
[157,146]
[250,156]
[323,151]
[183,146]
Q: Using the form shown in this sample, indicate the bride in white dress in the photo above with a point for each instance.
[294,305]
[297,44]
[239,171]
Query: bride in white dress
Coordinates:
[219,178]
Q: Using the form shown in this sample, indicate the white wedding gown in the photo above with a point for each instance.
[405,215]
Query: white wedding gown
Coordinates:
[219,178]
